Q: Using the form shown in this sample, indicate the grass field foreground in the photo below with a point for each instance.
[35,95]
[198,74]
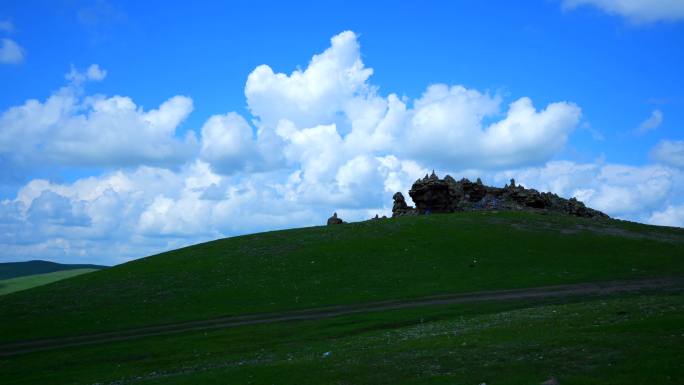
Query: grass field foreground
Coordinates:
[627,339]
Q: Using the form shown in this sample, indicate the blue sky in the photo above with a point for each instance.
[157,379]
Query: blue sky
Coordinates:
[167,132]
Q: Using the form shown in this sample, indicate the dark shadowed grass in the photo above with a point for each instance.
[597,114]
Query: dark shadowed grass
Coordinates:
[359,262]
[627,339]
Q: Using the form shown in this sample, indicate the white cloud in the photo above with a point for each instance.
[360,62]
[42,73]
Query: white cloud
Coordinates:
[362,181]
[129,214]
[227,143]
[671,216]
[637,11]
[669,152]
[96,73]
[625,190]
[103,216]
[52,208]
[95,131]
[651,123]
[92,73]
[11,52]
[312,96]
[447,128]
[622,191]
[323,139]
[316,149]
[331,113]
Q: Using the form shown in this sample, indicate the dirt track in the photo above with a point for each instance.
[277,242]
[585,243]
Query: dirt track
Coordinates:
[595,288]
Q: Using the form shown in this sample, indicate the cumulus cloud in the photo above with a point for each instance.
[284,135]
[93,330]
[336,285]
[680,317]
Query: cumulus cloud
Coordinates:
[11,52]
[319,140]
[626,191]
[329,113]
[52,208]
[312,96]
[671,216]
[622,191]
[447,126]
[129,214]
[651,123]
[637,11]
[95,131]
[669,152]
[227,142]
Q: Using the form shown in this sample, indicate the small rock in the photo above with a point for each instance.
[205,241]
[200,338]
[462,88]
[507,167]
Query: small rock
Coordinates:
[551,381]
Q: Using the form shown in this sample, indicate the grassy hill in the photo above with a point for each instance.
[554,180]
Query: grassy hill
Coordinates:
[359,262]
[633,338]
[28,281]
[19,269]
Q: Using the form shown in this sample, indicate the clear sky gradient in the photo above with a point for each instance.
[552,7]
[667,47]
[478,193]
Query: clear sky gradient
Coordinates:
[90,177]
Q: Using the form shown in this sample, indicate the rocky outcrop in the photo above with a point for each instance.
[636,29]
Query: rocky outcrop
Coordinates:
[400,208]
[434,195]
[334,220]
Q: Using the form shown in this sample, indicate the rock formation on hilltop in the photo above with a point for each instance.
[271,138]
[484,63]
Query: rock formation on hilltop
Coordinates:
[334,220]
[434,195]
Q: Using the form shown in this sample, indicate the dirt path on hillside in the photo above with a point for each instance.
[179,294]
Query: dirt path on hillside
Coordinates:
[594,288]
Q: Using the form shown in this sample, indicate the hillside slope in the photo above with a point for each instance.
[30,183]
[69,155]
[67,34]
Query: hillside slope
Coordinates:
[25,282]
[19,269]
[359,262]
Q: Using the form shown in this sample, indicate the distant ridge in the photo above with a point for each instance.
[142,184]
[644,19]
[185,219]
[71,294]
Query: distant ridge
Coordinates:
[20,269]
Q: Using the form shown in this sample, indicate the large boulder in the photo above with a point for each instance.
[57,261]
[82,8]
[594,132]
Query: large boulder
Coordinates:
[399,202]
[400,208]
[431,195]
[334,220]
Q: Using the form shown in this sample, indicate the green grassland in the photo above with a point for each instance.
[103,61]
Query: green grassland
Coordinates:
[352,263]
[26,282]
[624,339]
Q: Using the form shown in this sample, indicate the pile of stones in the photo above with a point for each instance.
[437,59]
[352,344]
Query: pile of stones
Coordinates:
[434,195]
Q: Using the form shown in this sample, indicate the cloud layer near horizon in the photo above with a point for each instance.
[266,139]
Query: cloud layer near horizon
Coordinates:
[636,11]
[320,139]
